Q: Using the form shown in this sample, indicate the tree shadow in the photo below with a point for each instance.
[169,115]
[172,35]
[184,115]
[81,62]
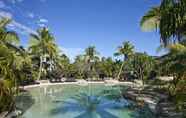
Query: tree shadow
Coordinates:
[90,106]
[142,112]
[24,101]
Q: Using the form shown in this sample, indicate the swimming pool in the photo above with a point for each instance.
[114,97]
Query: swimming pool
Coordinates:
[75,101]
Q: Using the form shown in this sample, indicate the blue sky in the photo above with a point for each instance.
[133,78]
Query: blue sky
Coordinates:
[77,24]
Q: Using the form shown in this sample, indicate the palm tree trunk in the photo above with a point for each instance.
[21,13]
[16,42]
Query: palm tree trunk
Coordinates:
[120,71]
[40,68]
[141,77]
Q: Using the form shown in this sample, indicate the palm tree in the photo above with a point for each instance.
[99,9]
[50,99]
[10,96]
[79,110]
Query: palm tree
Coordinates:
[80,65]
[91,56]
[8,38]
[126,50]
[151,20]
[170,18]
[175,61]
[64,65]
[11,65]
[9,51]
[43,45]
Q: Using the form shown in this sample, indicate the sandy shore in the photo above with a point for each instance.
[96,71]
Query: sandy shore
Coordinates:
[81,83]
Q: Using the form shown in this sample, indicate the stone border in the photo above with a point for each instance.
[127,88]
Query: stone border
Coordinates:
[158,103]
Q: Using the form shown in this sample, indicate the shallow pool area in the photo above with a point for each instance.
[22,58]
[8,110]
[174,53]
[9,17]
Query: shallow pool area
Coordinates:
[75,101]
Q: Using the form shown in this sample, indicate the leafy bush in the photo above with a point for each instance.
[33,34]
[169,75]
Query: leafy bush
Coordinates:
[6,96]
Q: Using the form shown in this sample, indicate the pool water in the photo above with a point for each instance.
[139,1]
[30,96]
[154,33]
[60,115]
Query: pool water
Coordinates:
[75,101]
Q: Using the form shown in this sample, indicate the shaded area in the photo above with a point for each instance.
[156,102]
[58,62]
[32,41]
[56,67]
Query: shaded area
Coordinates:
[142,112]
[24,101]
[93,106]
[114,92]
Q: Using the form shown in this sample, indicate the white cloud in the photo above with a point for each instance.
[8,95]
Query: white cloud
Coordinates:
[41,25]
[23,27]
[5,14]
[16,24]
[42,20]
[72,52]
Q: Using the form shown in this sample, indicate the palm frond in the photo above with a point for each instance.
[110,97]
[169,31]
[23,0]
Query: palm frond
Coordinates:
[150,21]
[4,21]
[12,37]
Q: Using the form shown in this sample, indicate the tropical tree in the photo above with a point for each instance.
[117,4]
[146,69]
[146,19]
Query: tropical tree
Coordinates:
[69,69]
[8,38]
[142,65]
[105,67]
[170,18]
[43,45]
[80,66]
[91,57]
[126,50]
[175,61]
[12,63]
[63,65]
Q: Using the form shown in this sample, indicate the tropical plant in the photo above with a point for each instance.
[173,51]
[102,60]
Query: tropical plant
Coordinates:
[91,57]
[12,63]
[105,67]
[80,66]
[8,38]
[63,64]
[43,46]
[142,65]
[170,18]
[6,96]
[175,60]
[126,50]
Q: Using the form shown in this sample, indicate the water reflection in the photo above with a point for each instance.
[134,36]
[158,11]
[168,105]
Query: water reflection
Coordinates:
[93,106]
[73,101]
[24,101]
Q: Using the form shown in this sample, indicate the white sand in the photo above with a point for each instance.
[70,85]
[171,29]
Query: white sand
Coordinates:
[78,83]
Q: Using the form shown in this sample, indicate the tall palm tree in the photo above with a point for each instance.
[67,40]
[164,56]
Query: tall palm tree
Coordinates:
[126,50]
[9,50]
[43,45]
[11,65]
[91,56]
[169,18]
[91,53]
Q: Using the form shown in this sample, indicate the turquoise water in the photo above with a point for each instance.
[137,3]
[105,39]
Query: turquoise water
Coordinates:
[74,101]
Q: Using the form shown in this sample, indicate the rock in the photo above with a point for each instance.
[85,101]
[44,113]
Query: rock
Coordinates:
[157,102]
[14,114]
[3,114]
